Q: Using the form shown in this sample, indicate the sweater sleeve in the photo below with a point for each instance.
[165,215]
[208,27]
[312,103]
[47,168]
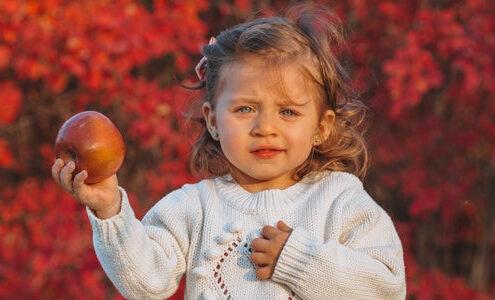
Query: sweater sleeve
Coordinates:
[362,259]
[144,259]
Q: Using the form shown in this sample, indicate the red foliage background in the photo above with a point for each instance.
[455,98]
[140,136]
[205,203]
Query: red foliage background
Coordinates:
[426,69]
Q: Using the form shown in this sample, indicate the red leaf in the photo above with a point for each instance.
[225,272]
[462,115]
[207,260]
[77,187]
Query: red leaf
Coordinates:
[5,56]
[6,158]
[10,102]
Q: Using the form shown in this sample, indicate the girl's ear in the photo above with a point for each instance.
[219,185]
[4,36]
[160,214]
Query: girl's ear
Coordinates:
[209,116]
[326,124]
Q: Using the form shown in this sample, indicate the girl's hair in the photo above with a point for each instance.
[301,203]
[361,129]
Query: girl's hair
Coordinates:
[310,36]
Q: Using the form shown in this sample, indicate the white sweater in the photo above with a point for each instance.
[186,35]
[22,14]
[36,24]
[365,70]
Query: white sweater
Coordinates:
[343,246]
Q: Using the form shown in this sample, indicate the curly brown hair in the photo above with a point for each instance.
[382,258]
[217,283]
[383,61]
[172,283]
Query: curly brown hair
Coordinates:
[312,37]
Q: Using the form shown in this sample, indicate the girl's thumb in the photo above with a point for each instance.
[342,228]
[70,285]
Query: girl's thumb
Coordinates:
[284,227]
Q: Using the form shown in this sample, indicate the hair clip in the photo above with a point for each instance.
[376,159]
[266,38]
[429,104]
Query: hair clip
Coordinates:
[201,66]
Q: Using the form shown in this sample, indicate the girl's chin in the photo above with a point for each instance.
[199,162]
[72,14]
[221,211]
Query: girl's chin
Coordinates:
[252,181]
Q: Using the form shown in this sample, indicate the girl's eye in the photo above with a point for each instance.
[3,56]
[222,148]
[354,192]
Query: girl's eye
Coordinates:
[245,109]
[288,112]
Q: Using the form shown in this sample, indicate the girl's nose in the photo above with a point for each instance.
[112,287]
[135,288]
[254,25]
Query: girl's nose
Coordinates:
[264,125]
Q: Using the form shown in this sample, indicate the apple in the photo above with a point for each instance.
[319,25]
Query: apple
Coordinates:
[93,142]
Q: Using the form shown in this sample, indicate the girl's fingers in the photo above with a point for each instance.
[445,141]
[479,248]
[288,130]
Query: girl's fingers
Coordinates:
[78,183]
[284,227]
[264,273]
[269,232]
[57,166]
[261,258]
[66,176]
[260,245]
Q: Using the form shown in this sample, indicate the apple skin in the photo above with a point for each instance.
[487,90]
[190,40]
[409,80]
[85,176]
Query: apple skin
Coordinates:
[93,142]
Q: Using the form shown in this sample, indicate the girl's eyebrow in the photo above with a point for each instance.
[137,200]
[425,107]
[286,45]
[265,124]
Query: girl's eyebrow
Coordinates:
[245,100]
[284,102]
[290,102]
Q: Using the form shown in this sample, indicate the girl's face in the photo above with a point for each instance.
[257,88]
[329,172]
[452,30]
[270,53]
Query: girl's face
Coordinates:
[263,131]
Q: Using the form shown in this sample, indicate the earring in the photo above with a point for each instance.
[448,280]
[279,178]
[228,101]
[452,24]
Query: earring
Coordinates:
[214,135]
[317,141]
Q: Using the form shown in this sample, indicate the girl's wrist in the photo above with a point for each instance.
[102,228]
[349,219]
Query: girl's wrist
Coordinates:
[112,210]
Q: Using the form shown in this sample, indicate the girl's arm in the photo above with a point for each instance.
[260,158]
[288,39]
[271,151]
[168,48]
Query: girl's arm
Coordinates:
[145,260]
[362,259]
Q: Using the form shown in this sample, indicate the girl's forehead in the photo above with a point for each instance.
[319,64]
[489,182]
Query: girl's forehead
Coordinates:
[256,79]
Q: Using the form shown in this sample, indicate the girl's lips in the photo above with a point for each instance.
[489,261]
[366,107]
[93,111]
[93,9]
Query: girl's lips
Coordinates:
[266,153]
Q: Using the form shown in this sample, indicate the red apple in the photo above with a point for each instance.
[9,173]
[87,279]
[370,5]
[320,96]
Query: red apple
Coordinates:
[93,142]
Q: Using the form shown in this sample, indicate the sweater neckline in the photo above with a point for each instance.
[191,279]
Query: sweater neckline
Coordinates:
[269,200]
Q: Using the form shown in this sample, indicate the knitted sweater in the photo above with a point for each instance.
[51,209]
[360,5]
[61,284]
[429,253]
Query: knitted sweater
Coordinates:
[343,246]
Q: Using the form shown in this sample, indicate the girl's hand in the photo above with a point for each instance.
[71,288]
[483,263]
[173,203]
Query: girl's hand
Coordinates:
[102,197]
[267,248]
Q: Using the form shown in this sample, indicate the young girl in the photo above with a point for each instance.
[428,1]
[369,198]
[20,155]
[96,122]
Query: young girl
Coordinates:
[283,215]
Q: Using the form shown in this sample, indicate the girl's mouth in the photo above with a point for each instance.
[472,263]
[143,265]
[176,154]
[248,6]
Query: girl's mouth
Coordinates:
[266,153]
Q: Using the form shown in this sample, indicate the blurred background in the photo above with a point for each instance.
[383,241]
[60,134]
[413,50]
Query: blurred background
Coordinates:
[426,69]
